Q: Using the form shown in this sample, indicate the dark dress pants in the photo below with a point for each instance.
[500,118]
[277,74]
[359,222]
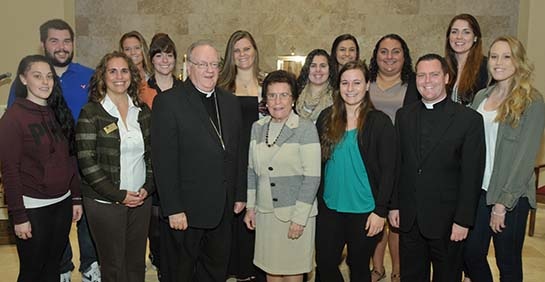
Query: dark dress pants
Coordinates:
[417,253]
[120,235]
[334,230]
[196,254]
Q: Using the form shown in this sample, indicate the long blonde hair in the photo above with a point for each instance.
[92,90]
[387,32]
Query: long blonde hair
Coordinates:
[521,94]
[146,63]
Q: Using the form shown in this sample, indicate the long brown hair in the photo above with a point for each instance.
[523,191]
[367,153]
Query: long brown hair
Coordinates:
[228,72]
[470,73]
[97,89]
[521,95]
[335,122]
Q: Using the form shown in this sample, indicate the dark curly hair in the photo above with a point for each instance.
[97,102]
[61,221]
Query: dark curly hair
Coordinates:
[302,80]
[406,70]
[56,101]
[98,89]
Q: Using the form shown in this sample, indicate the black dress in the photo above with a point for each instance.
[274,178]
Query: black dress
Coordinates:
[242,246]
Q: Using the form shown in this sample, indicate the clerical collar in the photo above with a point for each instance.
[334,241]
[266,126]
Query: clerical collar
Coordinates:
[430,106]
[207,93]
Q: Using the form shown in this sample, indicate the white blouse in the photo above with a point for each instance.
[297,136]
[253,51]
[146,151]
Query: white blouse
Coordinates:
[133,165]
[490,135]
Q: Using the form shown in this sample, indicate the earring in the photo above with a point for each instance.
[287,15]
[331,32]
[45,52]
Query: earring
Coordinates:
[475,39]
[292,104]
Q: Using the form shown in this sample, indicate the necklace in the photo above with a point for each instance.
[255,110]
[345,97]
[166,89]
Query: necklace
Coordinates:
[267,134]
[218,130]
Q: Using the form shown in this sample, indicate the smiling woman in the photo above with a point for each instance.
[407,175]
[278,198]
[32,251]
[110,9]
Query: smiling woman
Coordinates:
[162,55]
[464,55]
[38,169]
[241,76]
[345,48]
[281,205]
[392,85]
[354,193]
[135,47]
[113,144]
[315,84]
[514,117]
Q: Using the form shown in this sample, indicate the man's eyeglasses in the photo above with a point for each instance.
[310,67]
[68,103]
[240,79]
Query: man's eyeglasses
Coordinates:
[205,65]
[273,96]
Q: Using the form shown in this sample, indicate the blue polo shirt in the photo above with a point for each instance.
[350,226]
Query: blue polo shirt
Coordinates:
[75,86]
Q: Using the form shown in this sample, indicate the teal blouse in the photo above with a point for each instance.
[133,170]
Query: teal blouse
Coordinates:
[346,184]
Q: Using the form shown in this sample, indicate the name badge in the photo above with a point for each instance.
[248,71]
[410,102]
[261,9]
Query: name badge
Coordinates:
[110,128]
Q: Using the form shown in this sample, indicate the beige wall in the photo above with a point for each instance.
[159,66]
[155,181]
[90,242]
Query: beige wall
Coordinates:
[531,23]
[20,20]
[536,41]
[281,24]
[277,25]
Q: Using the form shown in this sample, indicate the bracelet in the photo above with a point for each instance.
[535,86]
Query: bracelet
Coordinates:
[498,214]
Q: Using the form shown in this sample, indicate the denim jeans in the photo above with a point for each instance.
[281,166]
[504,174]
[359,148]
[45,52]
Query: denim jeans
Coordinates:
[507,244]
[87,249]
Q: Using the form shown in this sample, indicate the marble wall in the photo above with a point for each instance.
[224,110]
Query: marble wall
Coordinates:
[280,25]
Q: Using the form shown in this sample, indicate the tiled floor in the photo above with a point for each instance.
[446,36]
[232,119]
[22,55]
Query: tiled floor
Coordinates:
[533,252]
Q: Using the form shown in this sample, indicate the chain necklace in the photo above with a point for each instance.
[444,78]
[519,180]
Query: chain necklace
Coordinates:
[219,132]
[267,134]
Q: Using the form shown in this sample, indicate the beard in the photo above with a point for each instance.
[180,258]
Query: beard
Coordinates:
[56,62]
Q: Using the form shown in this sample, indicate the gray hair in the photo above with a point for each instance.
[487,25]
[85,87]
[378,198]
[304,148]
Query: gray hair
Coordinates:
[202,42]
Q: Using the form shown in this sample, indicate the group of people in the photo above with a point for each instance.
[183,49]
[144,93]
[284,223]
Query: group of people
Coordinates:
[236,172]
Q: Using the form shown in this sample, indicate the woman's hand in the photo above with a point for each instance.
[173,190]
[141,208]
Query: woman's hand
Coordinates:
[249,219]
[133,199]
[143,194]
[374,224]
[497,218]
[23,231]
[295,231]
[77,211]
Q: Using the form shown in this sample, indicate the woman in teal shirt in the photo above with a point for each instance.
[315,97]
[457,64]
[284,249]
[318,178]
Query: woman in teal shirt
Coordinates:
[359,159]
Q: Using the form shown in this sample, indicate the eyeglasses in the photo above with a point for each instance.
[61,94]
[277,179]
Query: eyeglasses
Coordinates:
[273,96]
[205,65]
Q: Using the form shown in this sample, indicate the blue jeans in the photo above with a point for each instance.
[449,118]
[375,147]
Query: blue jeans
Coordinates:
[507,244]
[87,250]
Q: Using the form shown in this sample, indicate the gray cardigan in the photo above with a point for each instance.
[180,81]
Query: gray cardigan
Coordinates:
[516,151]
[293,172]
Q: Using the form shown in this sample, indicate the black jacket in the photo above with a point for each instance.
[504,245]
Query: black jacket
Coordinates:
[193,173]
[378,149]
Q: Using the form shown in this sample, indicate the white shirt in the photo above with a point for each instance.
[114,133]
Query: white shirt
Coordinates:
[131,159]
[490,136]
